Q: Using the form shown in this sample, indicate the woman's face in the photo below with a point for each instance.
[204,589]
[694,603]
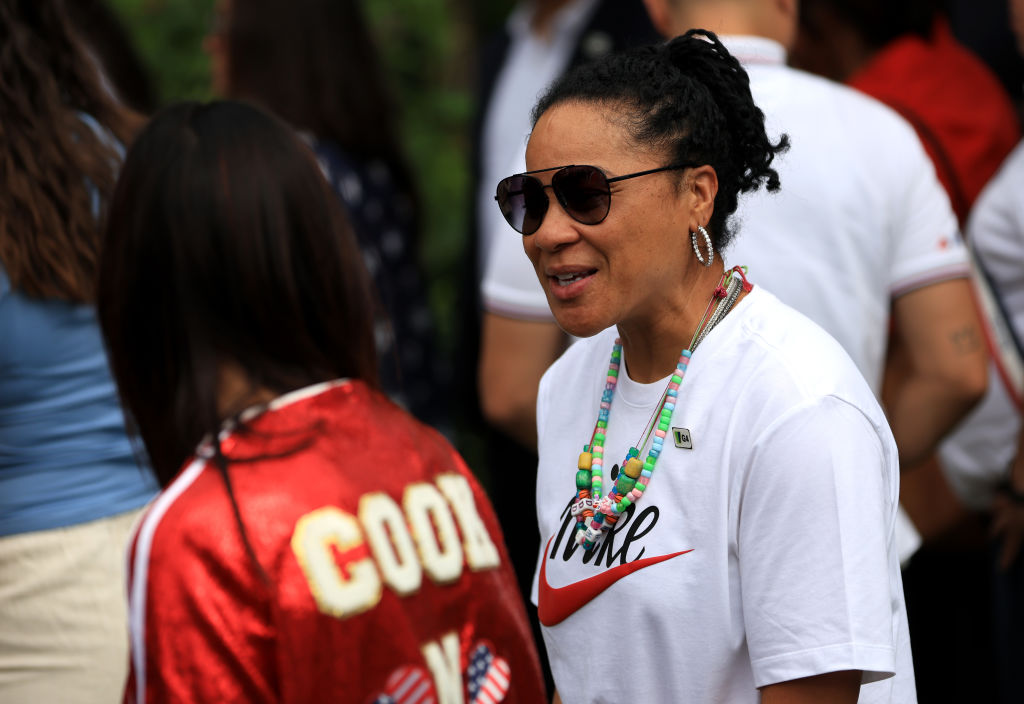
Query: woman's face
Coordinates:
[629,267]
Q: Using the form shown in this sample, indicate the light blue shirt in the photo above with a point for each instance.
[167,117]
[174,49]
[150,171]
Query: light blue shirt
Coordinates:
[64,455]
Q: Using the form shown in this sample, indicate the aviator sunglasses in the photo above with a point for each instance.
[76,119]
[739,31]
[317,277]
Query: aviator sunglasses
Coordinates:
[584,192]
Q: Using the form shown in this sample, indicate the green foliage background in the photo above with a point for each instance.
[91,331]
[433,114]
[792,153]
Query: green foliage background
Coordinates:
[430,48]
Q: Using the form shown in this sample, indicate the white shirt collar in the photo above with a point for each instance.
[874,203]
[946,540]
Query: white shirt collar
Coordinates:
[749,49]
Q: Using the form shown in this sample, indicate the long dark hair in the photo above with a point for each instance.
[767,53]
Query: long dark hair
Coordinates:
[55,167]
[690,98]
[314,64]
[225,245]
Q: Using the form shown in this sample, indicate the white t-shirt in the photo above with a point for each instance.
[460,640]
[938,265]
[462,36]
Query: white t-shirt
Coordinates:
[976,456]
[861,217]
[775,532]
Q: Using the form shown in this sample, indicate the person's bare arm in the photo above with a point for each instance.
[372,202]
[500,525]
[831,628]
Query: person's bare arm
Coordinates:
[830,688]
[514,354]
[938,371]
[556,699]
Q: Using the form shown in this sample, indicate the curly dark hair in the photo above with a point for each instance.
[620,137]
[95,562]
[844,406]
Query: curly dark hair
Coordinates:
[54,165]
[689,98]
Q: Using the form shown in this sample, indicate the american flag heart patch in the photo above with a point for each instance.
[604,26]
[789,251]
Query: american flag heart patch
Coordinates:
[408,685]
[487,681]
[487,676]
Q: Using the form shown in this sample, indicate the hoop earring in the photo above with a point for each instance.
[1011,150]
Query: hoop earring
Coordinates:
[707,242]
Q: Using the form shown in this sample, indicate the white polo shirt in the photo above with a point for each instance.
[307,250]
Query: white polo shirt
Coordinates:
[861,217]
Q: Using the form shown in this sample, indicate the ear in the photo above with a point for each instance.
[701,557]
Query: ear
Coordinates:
[661,17]
[701,187]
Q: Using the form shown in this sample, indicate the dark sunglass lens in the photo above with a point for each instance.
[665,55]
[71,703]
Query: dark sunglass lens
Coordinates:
[583,192]
[522,202]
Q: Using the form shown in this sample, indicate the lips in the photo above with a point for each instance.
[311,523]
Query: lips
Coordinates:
[568,279]
[569,283]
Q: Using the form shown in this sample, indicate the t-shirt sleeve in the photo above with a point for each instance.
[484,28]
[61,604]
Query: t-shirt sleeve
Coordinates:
[928,245]
[818,585]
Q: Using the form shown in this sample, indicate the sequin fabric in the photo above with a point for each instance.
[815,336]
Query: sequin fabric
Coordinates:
[380,567]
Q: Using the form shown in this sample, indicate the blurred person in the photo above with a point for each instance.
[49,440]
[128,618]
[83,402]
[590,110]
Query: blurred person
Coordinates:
[312,542]
[762,555]
[70,486]
[984,459]
[109,43]
[904,54]
[314,64]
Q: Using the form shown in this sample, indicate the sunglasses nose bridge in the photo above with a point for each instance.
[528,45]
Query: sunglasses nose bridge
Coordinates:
[559,228]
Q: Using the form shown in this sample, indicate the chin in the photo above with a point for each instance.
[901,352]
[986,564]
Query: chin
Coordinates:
[577,325]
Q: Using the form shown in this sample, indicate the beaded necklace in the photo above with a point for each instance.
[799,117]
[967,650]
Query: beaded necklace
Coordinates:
[603,511]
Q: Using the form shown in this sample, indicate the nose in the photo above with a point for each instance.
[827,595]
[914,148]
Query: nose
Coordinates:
[557,229]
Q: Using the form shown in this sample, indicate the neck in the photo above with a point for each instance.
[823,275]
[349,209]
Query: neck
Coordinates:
[737,17]
[651,345]
[236,392]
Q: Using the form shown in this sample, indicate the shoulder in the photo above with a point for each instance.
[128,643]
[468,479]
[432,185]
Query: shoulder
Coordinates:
[782,357]
[785,377]
[316,447]
[1009,179]
[995,227]
[186,509]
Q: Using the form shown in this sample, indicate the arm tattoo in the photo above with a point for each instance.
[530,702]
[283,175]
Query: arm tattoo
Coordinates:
[966,340]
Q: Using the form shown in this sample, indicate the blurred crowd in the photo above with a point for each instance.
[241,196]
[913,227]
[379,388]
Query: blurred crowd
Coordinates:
[898,228]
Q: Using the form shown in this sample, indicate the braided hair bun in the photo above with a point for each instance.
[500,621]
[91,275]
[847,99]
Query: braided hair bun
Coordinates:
[689,98]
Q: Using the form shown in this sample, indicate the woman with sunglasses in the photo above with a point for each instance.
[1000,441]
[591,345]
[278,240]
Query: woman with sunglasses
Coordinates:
[717,485]
[313,542]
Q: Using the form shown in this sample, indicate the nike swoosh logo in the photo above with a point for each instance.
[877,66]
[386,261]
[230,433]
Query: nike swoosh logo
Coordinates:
[555,604]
